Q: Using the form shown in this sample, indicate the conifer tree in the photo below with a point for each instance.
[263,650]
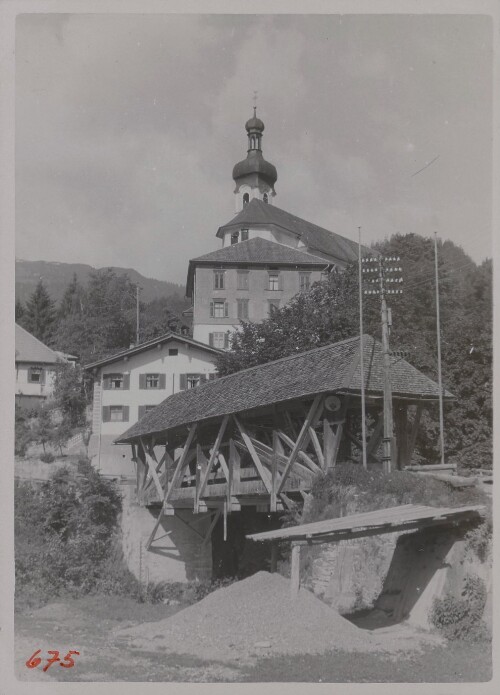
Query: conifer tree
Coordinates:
[40,314]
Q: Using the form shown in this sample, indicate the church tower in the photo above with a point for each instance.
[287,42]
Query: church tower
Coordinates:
[254,177]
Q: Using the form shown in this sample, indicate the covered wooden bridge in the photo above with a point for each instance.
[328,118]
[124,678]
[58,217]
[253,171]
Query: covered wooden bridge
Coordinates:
[259,437]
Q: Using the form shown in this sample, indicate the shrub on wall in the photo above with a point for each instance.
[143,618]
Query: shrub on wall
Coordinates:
[461,617]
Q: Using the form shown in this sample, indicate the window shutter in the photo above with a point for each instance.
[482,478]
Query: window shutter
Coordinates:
[182,382]
[211,310]
[211,339]
[226,309]
[106,382]
[226,340]
[105,413]
[30,372]
[125,413]
[142,381]
[163,381]
[126,381]
[142,411]
[203,378]
[42,376]
[280,281]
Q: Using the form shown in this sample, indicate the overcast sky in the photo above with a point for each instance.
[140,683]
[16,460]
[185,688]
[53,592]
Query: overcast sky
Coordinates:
[127,129]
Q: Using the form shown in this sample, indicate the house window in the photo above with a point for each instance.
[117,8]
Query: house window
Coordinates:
[219,309]
[193,380]
[305,281]
[242,308]
[218,279]
[116,413]
[172,352]
[246,198]
[242,279]
[35,375]
[274,281]
[115,381]
[235,237]
[218,339]
[273,306]
[244,235]
[152,381]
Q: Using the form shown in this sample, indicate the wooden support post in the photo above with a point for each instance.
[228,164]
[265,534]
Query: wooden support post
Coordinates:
[150,458]
[300,440]
[376,436]
[263,472]
[211,528]
[331,443]
[295,571]
[402,436]
[181,463]
[274,470]
[234,463]
[317,447]
[228,469]
[214,453]
[225,520]
[274,557]
[155,529]
[201,468]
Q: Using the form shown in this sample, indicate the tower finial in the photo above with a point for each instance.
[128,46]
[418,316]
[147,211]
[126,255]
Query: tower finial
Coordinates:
[255,103]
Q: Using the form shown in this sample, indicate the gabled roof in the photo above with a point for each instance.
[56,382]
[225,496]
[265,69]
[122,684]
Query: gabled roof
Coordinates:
[136,349]
[317,239]
[329,369]
[30,349]
[256,251]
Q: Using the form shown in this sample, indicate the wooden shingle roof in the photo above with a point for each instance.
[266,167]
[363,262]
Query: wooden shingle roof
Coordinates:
[259,250]
[329,369]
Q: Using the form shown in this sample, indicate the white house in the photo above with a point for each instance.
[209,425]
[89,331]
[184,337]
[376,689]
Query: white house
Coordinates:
[36,366]
[133,381]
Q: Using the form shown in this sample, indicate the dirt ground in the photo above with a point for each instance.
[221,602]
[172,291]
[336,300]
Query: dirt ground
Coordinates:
[87,626]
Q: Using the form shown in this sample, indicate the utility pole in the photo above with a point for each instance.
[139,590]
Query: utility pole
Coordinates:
[138,332]
[382,274]
[438,332]
[362,356]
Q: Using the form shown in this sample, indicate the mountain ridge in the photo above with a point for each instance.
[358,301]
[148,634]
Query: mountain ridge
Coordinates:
[57,275]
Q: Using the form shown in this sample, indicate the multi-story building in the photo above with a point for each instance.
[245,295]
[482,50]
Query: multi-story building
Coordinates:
[131,382]
[268,255]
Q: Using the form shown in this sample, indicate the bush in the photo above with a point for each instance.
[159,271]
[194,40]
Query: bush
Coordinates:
[22,432]
[47,457]
[461,618]
[65,534]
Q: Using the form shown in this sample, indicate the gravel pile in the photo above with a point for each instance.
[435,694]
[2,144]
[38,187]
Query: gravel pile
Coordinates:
[255,616]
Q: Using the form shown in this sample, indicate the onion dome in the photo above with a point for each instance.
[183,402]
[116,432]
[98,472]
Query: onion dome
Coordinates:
[254,168]
[254,123]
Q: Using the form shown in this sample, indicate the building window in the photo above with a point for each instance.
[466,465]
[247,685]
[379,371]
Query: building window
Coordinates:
[35,375]
[115,381]
[242,283]
[219,340]
[266,199]
[152,381]
[274,281]
[246,198]
[219,309]
[235,237]
[116,413]
[242,308]
[218,279]
[305,281]
[244,235]
[273,306]
[193,380]
[172,352]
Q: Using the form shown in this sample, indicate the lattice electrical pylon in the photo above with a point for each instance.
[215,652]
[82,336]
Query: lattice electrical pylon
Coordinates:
[383,272]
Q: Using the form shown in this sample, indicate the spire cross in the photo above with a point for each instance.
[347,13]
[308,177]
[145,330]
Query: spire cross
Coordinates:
[255,102]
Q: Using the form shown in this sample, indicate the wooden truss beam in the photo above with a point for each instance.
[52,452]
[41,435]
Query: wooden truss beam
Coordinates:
[181,463]
[300,440]
[263,472]
[214,453]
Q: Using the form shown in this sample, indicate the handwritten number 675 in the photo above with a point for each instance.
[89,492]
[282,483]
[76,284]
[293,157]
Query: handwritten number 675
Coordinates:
[67,661]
